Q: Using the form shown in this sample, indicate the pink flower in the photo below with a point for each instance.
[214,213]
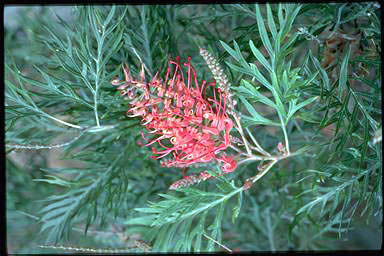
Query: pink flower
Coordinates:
[188,125]
[229,163]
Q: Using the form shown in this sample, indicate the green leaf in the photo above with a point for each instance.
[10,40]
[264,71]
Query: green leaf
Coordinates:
[285,49]
[255,93]
[198,231]
[239,69]
[232,52]
[55,180]
[292,109]
[256,117]
[148,210]
[291,12]
[344,71]
[110,15]
[277,95]
[304,83]
[260,77]
[263,34]
[243,62]
[237,208]
[259,56]
[271,22]
[280,16]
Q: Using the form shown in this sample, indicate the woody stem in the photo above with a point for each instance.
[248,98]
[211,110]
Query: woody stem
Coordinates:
[263,172]
[272,158]
[240,129]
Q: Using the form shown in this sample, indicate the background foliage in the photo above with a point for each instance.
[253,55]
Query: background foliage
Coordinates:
[74,166]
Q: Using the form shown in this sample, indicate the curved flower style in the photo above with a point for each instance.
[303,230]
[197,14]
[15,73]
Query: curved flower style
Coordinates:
[190,126]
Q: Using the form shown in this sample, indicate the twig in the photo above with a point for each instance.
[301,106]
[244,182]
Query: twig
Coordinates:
[240,129]
[265,168]
[272,158]
[97,85]
[92,129]
[260,149]
[285,133]
[82,249]
[235,148]
[216,242]
[263,172]
[37,147]
[65,123]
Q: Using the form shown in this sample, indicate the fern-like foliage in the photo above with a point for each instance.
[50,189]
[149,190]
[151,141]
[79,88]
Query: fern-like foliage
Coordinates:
[183,219]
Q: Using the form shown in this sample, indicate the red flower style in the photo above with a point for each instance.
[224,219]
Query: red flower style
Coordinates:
[190,126]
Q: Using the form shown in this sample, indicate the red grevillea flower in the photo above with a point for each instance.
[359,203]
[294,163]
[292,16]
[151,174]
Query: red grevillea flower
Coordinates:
[189,126]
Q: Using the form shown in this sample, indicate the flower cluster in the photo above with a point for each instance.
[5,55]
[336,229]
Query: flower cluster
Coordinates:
[189,120]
